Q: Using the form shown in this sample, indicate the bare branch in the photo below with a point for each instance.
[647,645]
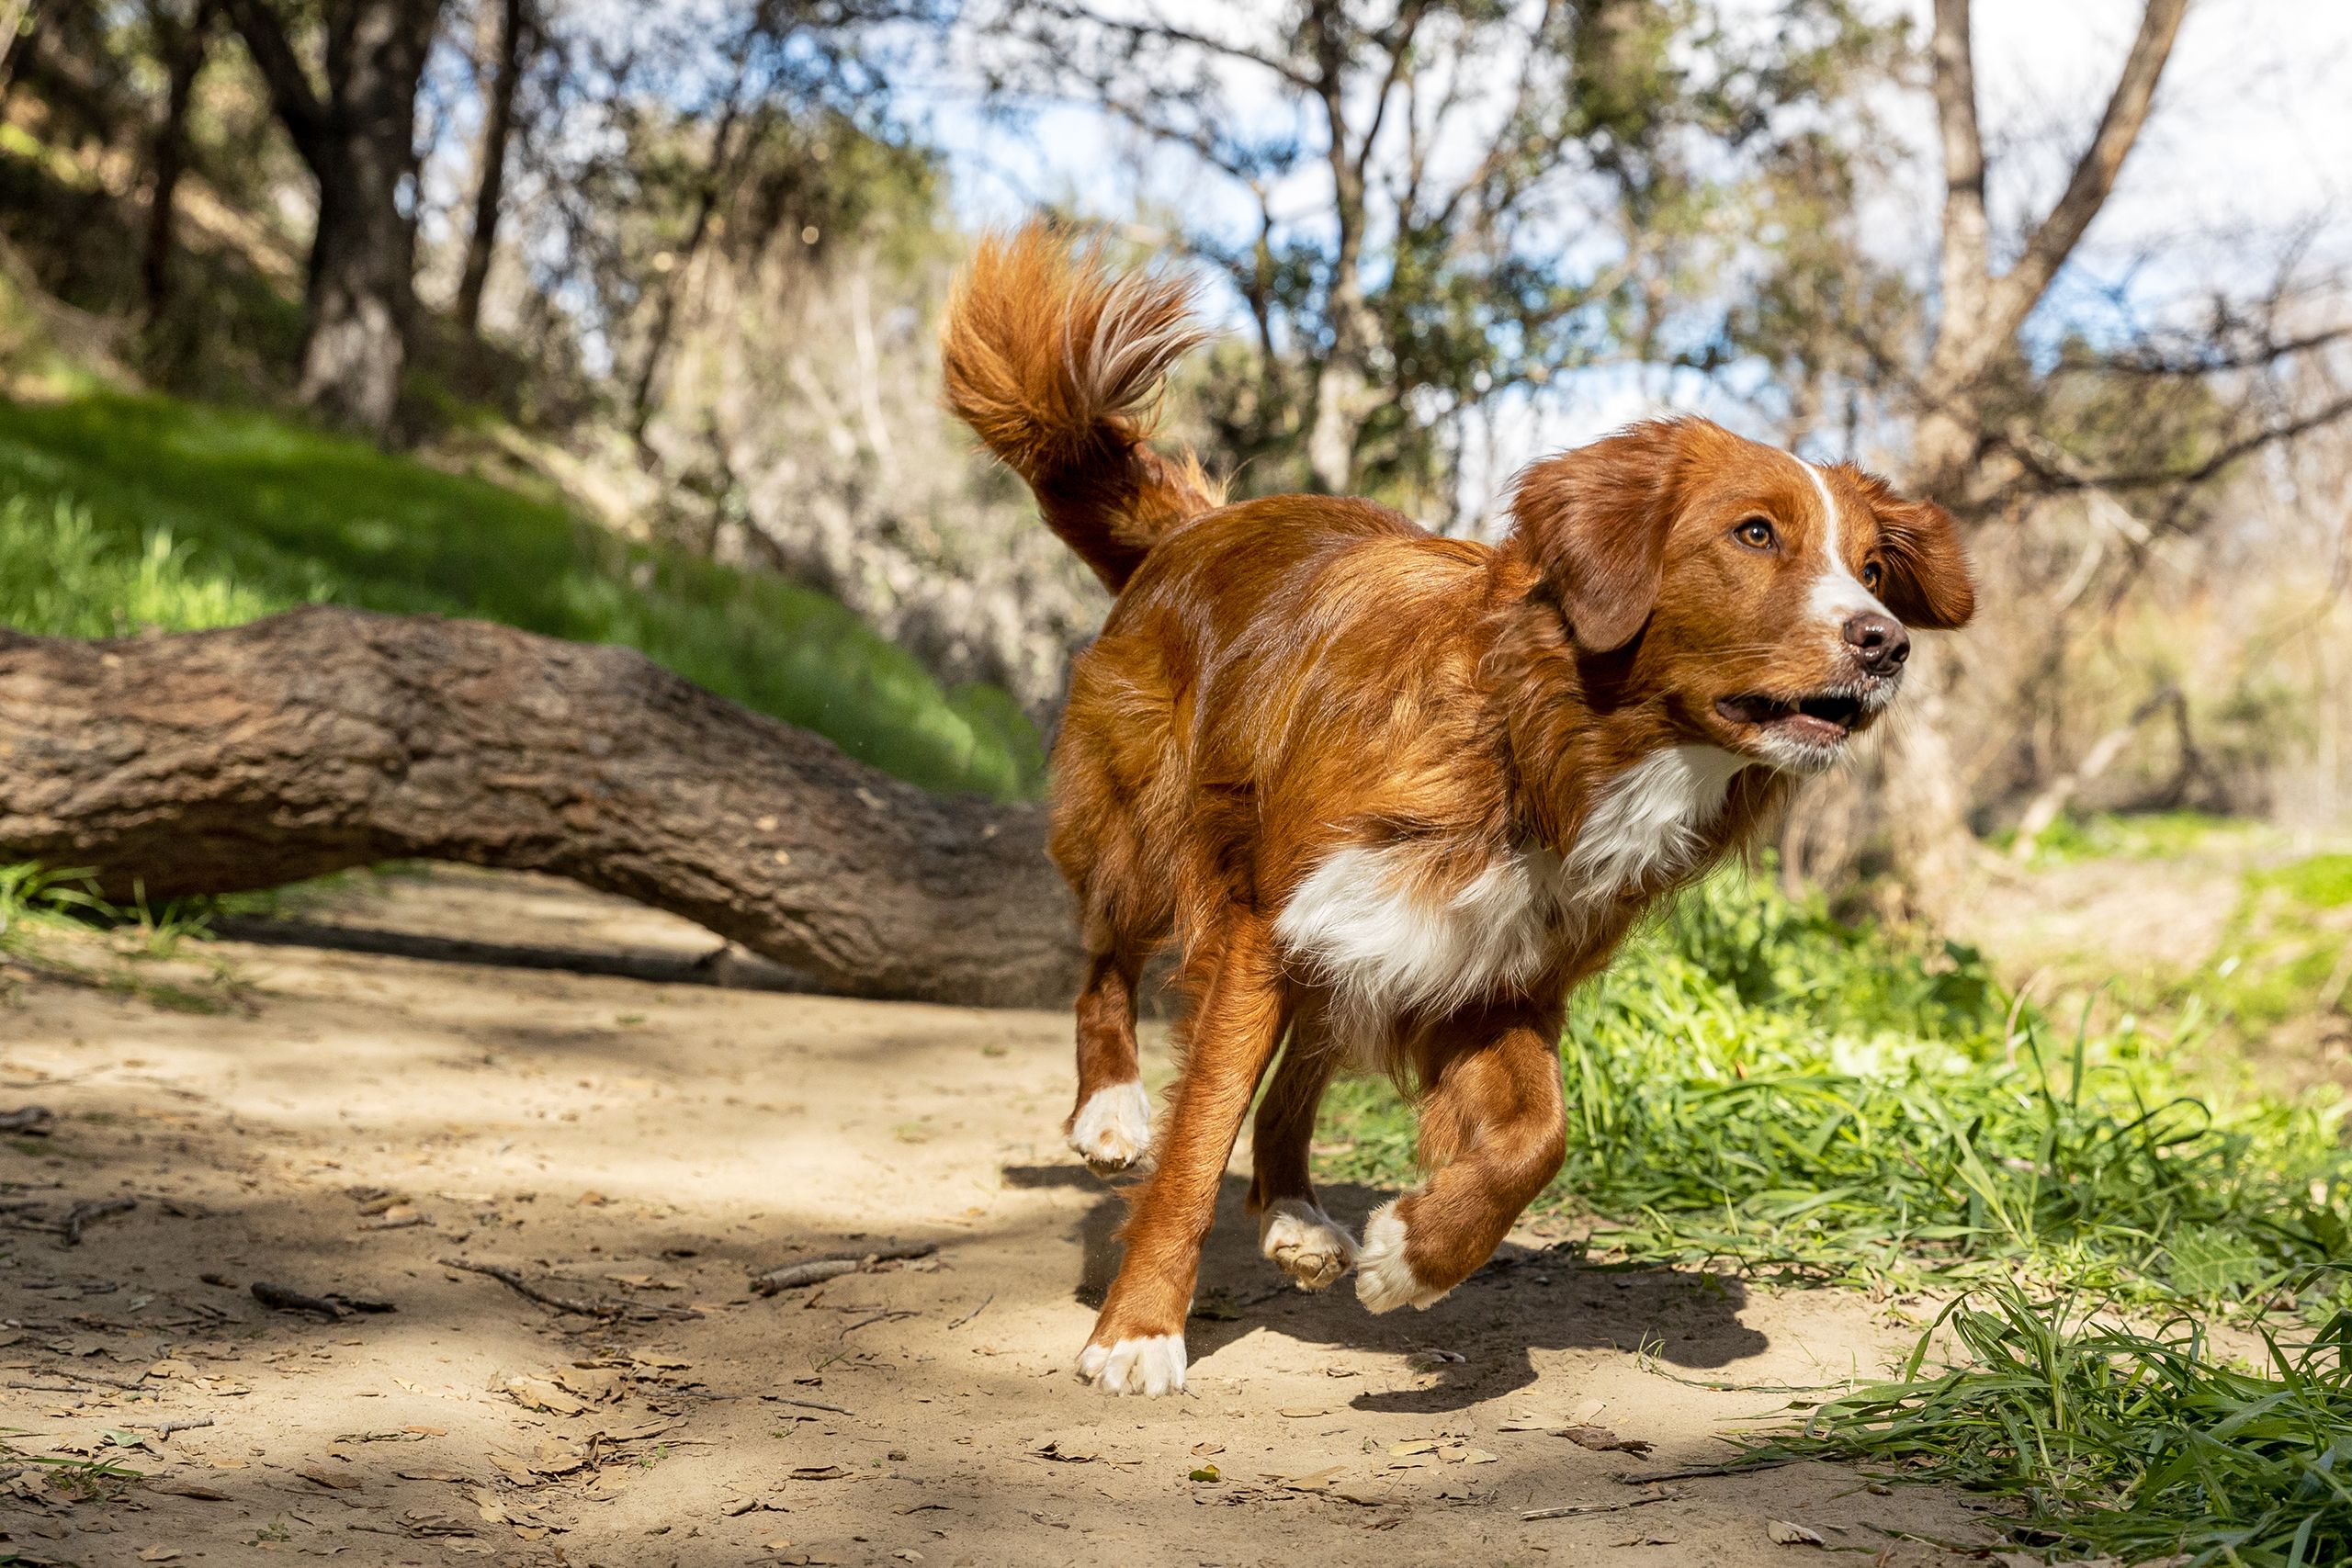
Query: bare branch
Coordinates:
[1156,30]
[2015,296]
[1397,40]
[2053,475]
[290,90]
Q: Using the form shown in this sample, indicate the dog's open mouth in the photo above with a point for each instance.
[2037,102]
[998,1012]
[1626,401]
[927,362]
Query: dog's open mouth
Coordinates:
[1824,718]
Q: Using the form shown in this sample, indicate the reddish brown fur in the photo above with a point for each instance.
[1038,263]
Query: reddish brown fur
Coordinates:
[1283,678]
[1053,363]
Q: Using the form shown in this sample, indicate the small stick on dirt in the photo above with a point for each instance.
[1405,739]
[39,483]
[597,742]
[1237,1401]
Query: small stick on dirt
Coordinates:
[359,1303]
[1699,1472]
[529,1292]
[807,1404]
[1571,1510]
[81,1215]
[28,1121]
[878,1318]
[48,1387]
[974,1312]
[284,1298]
[125,1384]
[817,1271]
[163,1429]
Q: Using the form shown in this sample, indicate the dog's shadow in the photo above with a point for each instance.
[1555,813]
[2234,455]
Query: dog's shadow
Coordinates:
[1523,1301]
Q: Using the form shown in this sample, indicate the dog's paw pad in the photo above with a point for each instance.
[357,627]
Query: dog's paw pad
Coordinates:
[1304,1243]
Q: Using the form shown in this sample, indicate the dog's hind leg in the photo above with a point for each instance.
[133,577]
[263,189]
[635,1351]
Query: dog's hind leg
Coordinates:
[1492,1134]
[1137,1346]
[1302,1240]
[1111,1124]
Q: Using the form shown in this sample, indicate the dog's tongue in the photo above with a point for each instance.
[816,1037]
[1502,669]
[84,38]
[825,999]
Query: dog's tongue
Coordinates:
[1813,728]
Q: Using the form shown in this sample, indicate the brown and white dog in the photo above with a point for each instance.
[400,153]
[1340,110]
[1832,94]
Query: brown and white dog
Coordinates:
[1393,795]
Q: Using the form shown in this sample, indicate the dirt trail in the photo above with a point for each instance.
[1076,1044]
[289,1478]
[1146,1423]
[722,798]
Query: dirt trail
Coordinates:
[650,1147]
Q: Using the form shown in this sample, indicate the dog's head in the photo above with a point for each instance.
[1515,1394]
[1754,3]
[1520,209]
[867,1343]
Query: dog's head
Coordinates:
[1767,600]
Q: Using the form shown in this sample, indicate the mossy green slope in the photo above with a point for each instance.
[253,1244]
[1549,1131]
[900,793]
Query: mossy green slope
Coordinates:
[125,511]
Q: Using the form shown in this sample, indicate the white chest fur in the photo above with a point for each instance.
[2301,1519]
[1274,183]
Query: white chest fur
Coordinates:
[1387,948]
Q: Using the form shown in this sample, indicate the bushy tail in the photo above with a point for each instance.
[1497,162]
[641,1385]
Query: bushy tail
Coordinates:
[1054,362]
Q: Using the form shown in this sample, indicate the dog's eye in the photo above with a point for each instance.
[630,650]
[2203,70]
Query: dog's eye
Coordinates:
[1870,575]
[1756,534]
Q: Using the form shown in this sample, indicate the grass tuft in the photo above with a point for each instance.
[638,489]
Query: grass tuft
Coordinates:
[2137,1445]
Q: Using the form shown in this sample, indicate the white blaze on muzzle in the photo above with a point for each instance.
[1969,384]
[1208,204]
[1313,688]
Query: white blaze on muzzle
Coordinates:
[1837,595]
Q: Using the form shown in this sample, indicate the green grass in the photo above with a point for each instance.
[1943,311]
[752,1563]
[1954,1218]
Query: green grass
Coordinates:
[1753,1083]
[1754,1086]
[129,512]
[38,904]
[2139,835]
[2129,1443]
[2287,944]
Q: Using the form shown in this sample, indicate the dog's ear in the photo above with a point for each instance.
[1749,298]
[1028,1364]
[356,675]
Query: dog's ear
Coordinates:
[1594,523]
[1928,583]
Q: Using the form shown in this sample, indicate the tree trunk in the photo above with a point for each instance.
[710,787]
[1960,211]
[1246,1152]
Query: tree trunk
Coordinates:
[329,737]
[357,136]
[1926,813]
[363,260]
[186,45]
[490,184]
[1343,385]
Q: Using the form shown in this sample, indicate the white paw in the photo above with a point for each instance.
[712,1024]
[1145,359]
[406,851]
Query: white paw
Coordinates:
[1385,1282]
[1113,1129]
[1304,1243]
[1151,1366]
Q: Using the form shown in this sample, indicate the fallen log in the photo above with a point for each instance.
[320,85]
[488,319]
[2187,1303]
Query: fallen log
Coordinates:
[329,737]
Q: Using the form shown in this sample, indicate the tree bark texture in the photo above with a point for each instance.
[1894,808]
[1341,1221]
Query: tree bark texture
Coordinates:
[329,737]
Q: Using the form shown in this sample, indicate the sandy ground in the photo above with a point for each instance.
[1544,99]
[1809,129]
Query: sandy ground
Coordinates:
[356,1118]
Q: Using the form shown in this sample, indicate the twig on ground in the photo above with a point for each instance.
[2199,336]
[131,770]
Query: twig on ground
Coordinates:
[1571,1510]
[284,1298]
[805,1404]
[124,1383]
[974,1312]
[81,1215]
[28,1121]
[530,1293]
[878,1318]
[1699,1471]
[817,1271]
[48,1387]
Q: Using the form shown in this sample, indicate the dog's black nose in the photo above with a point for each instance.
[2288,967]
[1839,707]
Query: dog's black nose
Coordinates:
[1879,643]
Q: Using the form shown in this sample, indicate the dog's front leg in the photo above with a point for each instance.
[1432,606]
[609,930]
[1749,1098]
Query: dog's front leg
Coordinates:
[1492,1134]
[1137,1346]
